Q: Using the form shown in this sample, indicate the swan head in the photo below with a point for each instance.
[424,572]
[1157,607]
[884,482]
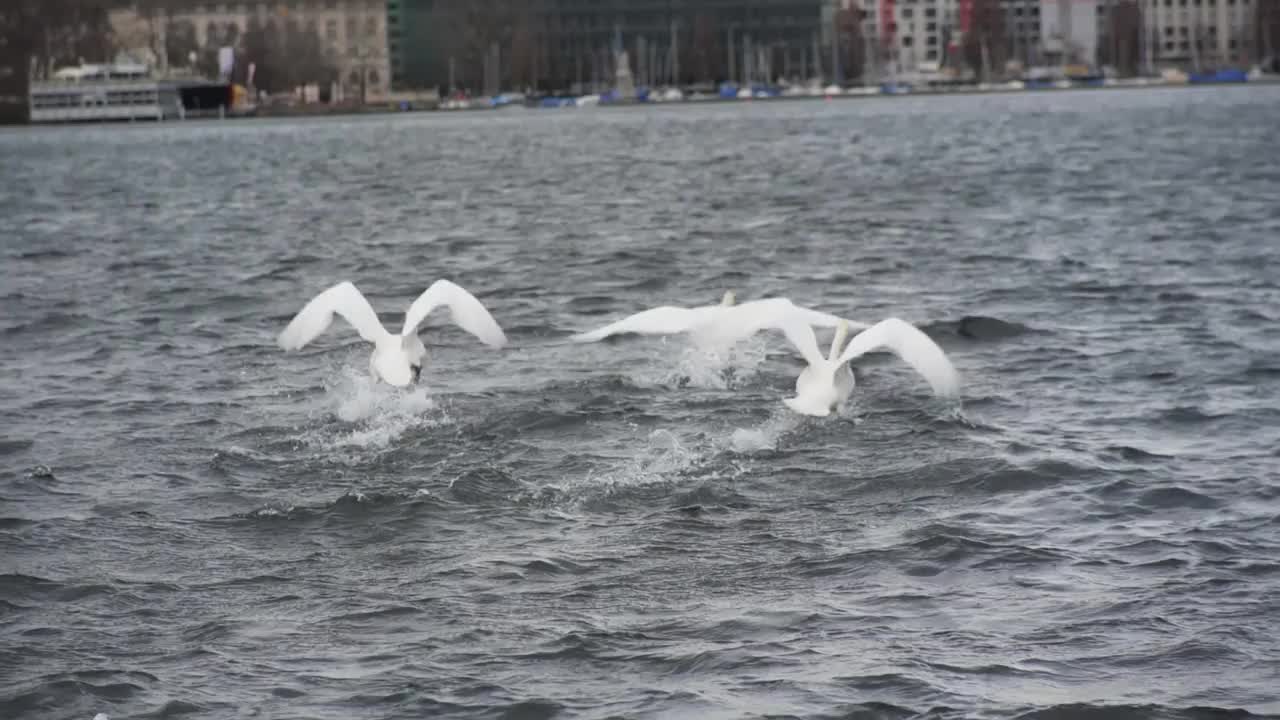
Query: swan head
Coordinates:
[416,353]
[728,299]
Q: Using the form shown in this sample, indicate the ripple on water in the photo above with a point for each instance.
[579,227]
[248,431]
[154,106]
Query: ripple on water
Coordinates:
[198,524]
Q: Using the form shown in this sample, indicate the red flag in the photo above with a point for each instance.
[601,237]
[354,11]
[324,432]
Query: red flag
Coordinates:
[886,22]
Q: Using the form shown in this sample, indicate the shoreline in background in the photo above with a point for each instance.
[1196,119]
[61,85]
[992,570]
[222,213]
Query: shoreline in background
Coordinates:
[486,104]
[549,103]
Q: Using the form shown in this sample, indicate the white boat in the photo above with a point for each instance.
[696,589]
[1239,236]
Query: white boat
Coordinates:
[120,91]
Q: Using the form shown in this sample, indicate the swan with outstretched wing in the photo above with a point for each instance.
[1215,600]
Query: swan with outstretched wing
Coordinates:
[397,359]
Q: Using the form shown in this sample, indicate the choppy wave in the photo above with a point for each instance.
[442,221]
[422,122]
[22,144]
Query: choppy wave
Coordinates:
[196,524]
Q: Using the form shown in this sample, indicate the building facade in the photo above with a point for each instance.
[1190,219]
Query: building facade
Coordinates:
[920,36]
[909,37]
[409,42]
[689,41]
[349,35]
[1204,33]
[1023,22]
[564,45]
[1070,30]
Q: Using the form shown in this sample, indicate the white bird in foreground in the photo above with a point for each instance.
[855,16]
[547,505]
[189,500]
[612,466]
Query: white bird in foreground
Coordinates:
[397,359]
[828,381]
[703,323]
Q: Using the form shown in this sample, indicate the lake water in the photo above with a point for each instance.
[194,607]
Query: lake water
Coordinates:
[195,523]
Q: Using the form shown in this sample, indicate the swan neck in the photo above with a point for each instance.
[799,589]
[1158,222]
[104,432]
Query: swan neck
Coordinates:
[837,342]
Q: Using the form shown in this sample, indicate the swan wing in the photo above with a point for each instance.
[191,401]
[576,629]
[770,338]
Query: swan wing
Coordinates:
[742,321]
[739,322]
[665,320]
[315,317]
[464,310]
[913,346]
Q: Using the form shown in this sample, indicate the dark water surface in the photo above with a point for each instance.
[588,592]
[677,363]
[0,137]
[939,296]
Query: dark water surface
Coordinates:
[194,523]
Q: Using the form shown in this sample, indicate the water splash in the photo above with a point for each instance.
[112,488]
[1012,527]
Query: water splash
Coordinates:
[654,467]
[766,436]
[380,413]
[717,368]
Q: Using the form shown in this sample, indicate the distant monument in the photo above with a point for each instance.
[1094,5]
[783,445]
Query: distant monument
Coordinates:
[623,84]
[622,80]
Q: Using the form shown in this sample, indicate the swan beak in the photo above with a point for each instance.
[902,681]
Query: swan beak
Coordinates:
[728,299]
[416,370]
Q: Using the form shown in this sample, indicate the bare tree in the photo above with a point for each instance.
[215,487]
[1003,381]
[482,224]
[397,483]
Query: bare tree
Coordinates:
[39,36]
[704,49]
[156,20]
[179,42]
[523,55]
[984,43]
[472,28]
[16,48]
[64,32]
[1122,50]
[284,57]
[1267,33]
[849,28]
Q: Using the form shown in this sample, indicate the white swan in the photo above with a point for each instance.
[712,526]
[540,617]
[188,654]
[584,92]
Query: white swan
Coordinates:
[828,381]
[397,359]
[704,323]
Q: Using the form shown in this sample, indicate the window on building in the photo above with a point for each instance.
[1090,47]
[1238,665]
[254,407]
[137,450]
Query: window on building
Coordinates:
[331,30]
[1168,31]
[931,40]
[907,41]
[371,27]
[374,79]
[931,55]
[907,13]
[930,12]
[352,28]
[932,27]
